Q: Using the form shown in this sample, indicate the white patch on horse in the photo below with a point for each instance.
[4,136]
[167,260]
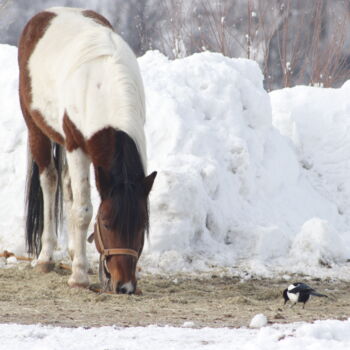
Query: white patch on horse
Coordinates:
[128,287]
[88,71]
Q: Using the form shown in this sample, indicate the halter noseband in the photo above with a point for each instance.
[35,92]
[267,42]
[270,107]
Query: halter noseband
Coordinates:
[113,251]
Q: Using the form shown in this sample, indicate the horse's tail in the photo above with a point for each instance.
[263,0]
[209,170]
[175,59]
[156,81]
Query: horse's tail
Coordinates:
[34,204]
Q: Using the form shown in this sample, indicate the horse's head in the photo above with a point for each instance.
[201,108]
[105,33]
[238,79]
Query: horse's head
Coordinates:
[121,224]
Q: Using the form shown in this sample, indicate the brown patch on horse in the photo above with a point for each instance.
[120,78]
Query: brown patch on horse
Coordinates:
[74,138]
[46,129]
[39,131]
[32,33]
[100,147]
[40,147]
[39,135]
[39,144]
[97,18]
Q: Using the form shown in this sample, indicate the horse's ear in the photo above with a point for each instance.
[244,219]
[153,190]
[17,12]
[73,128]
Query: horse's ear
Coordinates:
[148,182]
[91,237]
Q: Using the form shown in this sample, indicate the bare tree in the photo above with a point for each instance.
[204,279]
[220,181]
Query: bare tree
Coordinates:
[294,41]
[308,51]
[4,3]
[172,29]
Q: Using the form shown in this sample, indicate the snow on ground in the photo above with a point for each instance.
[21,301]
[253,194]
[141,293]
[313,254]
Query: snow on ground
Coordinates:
[247,182]
[321,335]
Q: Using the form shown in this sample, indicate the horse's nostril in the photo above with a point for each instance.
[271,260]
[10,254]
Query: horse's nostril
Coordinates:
[123,290]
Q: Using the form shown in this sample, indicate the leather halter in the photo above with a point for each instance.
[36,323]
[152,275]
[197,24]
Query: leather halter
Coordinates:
[113,251]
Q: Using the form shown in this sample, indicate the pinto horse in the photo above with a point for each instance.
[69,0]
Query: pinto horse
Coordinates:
[82,99]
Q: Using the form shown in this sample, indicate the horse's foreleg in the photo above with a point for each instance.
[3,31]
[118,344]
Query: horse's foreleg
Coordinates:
[81,212]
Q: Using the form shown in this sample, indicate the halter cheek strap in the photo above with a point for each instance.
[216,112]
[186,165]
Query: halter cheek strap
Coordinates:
[113,251]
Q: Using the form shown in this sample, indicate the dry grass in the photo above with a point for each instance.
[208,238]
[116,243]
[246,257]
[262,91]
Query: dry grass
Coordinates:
[27,296]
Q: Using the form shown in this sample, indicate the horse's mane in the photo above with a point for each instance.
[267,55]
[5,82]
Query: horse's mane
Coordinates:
[127,175]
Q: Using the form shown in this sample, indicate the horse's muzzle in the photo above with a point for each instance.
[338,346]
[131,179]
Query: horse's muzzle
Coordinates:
[108,285]
[125,288]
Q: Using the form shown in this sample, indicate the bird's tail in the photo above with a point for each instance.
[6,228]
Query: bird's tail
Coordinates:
[319,294]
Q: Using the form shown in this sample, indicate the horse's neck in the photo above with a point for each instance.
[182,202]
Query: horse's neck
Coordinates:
[125,166]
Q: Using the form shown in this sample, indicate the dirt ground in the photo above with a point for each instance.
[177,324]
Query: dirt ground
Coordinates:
[28,296]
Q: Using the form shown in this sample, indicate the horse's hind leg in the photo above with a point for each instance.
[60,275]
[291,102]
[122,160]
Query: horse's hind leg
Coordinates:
[48,182]
[68,202]
[81,214]
[41,150]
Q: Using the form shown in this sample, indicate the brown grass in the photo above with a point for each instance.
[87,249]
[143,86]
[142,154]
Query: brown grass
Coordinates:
[27,296]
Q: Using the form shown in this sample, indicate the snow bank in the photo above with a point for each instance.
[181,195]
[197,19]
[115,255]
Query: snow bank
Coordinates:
[13,154]
[231,191]
[321,335]
[235,189]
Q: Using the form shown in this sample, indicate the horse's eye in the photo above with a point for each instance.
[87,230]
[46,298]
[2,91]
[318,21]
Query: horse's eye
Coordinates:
[107,227]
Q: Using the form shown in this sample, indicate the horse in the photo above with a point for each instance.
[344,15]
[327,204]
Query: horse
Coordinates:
[82,99]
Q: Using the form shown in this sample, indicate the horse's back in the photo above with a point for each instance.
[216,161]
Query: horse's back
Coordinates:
[80,68]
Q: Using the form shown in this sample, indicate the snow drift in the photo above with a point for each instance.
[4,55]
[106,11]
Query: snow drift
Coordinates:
[242,181]
[320,335]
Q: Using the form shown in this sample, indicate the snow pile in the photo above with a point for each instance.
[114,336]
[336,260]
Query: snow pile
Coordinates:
[13,154]
[321,335]
[234,189]
[208,123]
[231,189]
[318,243]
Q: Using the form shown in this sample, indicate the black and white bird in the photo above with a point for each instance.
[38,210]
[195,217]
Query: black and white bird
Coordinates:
[299,293]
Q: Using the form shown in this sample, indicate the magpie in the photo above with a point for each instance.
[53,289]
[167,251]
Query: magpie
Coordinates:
[299,293]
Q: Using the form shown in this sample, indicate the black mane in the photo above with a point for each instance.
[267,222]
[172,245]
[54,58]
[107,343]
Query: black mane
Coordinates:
[127,175]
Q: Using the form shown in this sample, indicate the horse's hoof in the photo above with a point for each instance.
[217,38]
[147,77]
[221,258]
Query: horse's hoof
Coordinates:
[79,285]
[73,284]
[45,267]
[71,253]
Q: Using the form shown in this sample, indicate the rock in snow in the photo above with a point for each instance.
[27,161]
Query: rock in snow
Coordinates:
[258,321]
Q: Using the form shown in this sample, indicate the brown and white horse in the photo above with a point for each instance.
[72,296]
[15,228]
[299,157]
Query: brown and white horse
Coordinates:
[82,99]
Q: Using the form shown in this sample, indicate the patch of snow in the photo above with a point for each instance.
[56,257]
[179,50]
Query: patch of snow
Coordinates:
[320,335]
